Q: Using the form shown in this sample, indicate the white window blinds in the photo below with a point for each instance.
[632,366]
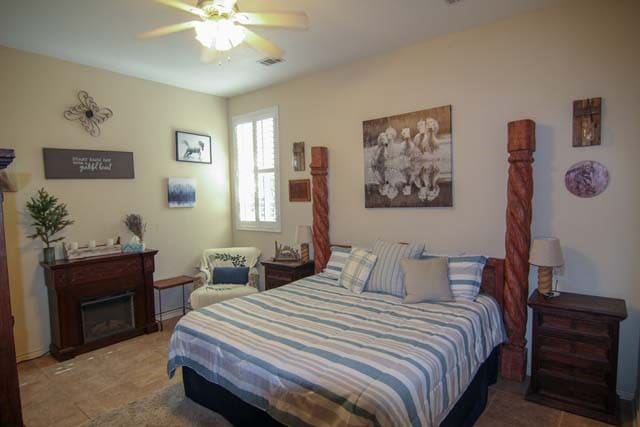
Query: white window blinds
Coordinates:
[255,140]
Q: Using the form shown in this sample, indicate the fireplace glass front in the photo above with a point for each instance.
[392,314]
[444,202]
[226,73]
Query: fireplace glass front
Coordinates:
[107,316]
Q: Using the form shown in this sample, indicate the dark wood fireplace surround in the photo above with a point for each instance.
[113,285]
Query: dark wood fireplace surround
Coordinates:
[71,282]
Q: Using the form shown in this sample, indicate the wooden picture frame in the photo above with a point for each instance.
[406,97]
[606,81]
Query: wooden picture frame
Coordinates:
[298,157]
[587,122]
[299,190]
[193,148]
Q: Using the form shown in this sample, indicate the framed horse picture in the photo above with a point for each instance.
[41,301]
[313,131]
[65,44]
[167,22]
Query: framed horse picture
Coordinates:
[193,148]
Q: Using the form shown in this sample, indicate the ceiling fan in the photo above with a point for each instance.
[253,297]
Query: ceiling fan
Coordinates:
[222,26]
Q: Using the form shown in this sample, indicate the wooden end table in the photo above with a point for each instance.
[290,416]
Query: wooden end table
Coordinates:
[169,283]
[574,363]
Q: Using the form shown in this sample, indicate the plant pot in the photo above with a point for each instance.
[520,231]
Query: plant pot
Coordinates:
[49,255]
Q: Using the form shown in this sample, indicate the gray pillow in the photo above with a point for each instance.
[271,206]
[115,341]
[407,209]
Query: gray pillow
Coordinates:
[426,280]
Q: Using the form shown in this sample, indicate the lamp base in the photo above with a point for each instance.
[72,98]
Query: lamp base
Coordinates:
[304,252]
[545,279]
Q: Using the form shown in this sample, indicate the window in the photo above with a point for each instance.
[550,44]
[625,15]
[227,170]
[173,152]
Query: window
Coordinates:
[255,142]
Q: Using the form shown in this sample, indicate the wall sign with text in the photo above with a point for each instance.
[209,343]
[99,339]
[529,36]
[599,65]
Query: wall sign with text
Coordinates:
[87,164]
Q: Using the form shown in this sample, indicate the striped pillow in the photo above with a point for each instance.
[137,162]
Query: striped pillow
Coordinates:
[357,270]
[386,276]
[336,262]
[465,276]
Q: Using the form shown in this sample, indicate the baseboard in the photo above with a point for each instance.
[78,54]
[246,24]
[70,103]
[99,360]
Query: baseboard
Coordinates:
[31,355]
[34,354]
[625,395]
[170,314]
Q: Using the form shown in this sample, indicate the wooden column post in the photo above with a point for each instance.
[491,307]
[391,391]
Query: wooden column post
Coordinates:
[319,171]
[10,407]
[522,144]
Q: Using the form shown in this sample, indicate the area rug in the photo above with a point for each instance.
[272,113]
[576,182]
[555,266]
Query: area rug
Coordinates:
[168,407]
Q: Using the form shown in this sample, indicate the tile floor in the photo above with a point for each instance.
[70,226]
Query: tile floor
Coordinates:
[73,392]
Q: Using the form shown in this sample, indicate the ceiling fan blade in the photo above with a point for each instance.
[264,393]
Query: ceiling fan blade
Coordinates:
[296,20]
[169,29]
[262,45]
[182,6]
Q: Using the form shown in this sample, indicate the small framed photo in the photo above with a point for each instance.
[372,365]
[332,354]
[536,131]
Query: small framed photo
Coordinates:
[193,148]
[299,190]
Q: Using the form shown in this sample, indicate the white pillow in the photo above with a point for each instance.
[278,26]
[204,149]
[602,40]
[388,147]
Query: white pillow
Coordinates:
[356,271]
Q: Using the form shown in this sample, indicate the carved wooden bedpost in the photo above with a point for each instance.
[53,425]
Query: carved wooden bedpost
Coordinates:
[319,171]
[522,144]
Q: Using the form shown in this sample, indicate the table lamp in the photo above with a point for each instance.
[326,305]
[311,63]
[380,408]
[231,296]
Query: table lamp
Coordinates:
[303,237]
[546,254]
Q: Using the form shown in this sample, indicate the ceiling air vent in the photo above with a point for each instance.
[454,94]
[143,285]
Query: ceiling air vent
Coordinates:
[267,62]
[452,1]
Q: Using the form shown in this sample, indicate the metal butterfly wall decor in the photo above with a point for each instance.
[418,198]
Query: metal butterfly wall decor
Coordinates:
[90,115]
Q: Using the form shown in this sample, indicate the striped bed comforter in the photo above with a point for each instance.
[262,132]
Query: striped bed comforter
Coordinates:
[315,354]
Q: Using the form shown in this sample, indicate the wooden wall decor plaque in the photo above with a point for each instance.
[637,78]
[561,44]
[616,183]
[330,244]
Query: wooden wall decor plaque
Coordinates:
[87,164]
[299,190]
[587,121]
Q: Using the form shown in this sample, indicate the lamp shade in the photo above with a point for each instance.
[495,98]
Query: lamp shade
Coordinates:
[546,252]
[303,234]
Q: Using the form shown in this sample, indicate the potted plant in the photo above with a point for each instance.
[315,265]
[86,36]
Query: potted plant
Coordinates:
[137,227]
[49,218]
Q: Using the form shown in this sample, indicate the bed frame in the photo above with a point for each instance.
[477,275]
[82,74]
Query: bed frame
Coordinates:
[504,279]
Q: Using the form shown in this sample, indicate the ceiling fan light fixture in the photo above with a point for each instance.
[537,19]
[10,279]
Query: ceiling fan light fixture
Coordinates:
[222,34]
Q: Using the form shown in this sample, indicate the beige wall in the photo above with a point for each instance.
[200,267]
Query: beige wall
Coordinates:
[532,66]
[34,92]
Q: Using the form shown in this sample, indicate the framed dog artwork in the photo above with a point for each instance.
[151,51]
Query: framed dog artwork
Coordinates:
[193,148]
[408,160]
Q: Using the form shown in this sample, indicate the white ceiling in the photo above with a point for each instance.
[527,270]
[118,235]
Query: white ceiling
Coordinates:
[101,33]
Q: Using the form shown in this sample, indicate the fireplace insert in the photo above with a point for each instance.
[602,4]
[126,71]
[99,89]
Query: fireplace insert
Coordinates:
[106,316]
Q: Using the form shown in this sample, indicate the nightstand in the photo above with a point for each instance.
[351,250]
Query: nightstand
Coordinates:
[574,363]
[278,273]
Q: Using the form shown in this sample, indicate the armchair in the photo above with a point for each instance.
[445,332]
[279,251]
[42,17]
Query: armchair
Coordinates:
[206,293]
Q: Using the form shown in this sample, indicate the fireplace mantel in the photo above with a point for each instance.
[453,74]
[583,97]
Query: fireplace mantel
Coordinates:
[69,283]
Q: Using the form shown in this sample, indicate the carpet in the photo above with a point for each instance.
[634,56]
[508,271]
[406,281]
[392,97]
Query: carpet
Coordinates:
[168,407]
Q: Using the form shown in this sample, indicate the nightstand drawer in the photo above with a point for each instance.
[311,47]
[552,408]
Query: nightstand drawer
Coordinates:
[282,275]
[553,324]
[574,366]
[588,394]
[595,352]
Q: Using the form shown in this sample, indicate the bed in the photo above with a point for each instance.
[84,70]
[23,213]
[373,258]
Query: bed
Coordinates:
[312,353]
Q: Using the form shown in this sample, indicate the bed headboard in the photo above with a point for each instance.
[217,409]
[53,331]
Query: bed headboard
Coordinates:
[493,279]
[507,280]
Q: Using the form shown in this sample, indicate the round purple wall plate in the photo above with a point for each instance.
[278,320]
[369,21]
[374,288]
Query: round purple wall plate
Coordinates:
[587,178]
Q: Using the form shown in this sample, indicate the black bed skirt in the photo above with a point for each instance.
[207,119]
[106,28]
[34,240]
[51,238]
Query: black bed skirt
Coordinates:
[241,414]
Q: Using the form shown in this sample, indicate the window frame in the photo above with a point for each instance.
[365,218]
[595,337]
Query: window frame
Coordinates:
[253,117]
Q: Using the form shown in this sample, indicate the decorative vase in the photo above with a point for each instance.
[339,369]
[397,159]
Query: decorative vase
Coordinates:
[49,255]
